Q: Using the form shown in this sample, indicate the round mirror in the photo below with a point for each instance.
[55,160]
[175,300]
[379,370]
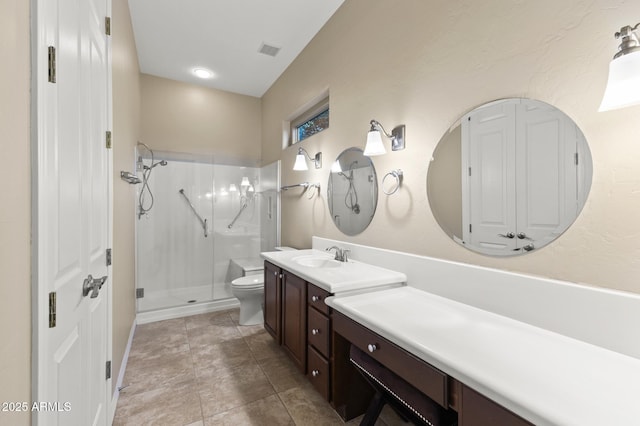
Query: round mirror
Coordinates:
[510,178]
[352,191]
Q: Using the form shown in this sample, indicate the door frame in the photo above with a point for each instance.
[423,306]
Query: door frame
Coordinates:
[39,293]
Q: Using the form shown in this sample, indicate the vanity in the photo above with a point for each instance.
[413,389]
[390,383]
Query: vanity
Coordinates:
[490,357]
[297,284]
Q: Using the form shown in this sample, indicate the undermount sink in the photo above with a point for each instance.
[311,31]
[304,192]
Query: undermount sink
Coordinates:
[313,261]
[321,269]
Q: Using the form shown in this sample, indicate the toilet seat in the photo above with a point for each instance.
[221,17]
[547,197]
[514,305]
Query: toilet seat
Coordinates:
[248,282]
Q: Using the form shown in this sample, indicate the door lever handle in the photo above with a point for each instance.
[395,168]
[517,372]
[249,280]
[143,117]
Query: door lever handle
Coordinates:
[93,285]
[507,235]
[523,236]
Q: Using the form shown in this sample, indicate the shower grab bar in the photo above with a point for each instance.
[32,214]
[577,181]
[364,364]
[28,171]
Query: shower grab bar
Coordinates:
[242,207]
[305,185]
[203,222]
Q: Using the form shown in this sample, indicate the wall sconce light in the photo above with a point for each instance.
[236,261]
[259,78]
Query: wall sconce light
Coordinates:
[623,85]
[233,187]
[374,144]
[301,161]
[245,181]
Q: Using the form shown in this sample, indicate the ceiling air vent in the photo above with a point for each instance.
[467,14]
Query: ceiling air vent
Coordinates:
[266,49]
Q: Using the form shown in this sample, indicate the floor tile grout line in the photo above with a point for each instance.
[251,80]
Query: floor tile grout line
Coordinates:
[195,377]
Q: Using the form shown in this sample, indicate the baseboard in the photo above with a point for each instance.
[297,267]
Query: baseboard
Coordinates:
[123,368]
[183,311]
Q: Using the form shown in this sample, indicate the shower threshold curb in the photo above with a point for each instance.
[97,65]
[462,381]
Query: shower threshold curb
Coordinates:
[183,311]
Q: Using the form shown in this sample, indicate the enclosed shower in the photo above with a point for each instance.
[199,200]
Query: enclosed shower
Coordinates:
[196,220]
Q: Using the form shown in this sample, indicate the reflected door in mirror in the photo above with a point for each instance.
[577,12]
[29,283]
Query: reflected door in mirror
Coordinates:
[510,178]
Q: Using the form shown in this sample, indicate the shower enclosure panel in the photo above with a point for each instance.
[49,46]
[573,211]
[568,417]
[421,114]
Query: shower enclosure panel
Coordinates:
[174,256]
[178,263]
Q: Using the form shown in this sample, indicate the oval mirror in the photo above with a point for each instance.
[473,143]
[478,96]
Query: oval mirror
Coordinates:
[352,191]
[510,178]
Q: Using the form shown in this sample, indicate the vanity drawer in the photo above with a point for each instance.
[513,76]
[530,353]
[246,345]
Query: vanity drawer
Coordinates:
[318,372]
[426,378]
[318,333]
[315,298]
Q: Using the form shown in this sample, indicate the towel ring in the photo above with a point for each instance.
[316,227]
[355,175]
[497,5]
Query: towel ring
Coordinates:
[313,188]
[397,174]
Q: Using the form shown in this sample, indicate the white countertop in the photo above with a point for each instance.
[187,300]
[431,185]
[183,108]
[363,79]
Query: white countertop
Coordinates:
[347,276]
[545,377]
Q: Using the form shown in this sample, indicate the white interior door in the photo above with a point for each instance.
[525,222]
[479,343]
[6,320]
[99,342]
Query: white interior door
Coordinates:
[489,176]
[546,145]
[521,183]
[73,211]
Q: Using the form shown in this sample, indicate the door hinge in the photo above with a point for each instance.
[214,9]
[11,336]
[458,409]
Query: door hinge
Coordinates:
[139,293]
[52,309]
[576,156]
[108,370]
[108,138]
[107,25]
[109,257]
[469,171]
[52,64]
[469,228]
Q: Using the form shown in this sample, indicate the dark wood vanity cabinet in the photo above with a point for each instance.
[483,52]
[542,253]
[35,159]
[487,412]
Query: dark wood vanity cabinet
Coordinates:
[473,409]
[319,340]
[272,308]
[285,312]
[294,318]
[478,410]
[421,375]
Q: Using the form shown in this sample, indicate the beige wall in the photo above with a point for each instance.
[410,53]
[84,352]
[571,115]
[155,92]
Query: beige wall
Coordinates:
[424,64]
[181,117]
[126,132]
[15,210]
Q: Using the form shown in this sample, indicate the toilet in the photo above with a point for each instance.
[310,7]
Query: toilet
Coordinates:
[249,290]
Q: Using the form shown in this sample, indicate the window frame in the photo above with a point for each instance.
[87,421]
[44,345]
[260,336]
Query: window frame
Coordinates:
[317,109]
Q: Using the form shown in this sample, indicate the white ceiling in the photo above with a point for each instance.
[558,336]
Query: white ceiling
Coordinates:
[175,36]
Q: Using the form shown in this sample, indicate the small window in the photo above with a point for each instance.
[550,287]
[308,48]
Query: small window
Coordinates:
[312,121]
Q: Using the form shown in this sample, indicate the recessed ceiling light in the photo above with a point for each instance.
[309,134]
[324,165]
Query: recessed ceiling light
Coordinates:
[202,73]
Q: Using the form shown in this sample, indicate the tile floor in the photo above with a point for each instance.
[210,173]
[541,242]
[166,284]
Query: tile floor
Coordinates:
[206,370]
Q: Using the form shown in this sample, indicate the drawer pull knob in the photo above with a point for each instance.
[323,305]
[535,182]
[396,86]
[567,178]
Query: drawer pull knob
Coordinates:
[372,347]
[315,373]
[314,298]
[315,331]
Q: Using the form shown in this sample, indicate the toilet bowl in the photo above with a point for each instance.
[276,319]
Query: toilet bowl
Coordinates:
[249,290]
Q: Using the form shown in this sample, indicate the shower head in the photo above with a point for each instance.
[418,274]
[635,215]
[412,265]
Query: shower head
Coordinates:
[159,163]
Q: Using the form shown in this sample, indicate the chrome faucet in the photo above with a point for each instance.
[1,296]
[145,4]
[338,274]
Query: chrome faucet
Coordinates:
[342,255]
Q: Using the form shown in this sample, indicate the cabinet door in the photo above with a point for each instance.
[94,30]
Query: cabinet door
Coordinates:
[273,301]
[294,319]
[478,410]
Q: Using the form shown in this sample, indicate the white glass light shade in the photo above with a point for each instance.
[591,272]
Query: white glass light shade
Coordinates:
[335,167]
[623,86]
[245,181]
[301,163]
[233,188]
[374,144]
